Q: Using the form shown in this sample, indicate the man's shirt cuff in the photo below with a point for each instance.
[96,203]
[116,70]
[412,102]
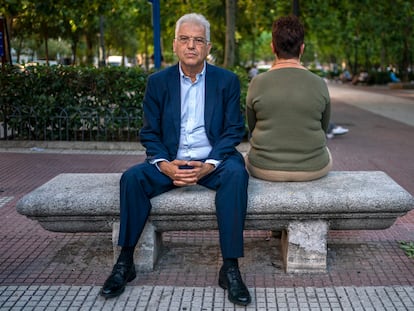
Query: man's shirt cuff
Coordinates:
[156,161]
[214,162]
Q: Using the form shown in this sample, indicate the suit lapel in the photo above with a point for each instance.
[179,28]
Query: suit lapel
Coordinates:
[210,89]
[175,99]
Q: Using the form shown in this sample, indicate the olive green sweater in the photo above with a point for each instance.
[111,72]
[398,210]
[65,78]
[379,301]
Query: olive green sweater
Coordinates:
[288,113]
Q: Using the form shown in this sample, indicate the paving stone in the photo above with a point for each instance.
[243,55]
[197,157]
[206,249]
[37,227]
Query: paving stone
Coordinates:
[367,269]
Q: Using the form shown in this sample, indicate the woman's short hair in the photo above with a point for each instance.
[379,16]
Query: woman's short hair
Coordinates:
[196,19]
[287,36]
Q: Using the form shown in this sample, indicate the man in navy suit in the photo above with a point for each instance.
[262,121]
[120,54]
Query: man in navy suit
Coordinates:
[192,125]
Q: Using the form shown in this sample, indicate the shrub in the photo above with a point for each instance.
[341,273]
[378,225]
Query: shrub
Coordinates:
[77,103]
[59,102]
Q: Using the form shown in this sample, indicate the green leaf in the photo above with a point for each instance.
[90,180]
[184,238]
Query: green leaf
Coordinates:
[408,248]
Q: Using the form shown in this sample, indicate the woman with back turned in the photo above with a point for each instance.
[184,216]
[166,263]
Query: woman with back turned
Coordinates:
[288,111]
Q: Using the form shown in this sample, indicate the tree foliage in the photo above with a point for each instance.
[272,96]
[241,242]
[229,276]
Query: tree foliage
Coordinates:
[361,34]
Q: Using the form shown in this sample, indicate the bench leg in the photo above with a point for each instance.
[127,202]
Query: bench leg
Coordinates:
[304,246]
[147,250]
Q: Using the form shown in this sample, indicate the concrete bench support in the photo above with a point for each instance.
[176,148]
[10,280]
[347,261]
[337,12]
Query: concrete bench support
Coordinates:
[303,211]
[148,248]
[304,247]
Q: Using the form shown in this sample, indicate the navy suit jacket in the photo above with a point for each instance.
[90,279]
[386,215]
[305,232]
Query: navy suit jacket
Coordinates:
[223,119]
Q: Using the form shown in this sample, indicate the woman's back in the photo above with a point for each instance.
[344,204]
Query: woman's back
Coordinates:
[288,112]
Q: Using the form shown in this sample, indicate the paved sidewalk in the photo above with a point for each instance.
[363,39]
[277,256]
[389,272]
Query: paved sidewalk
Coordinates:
[156,298]
[367,270]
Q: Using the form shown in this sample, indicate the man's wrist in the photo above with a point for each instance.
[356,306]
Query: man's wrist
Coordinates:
[157,163]
[215,163]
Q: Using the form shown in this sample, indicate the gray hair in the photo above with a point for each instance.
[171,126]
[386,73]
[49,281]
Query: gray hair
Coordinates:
[195,19]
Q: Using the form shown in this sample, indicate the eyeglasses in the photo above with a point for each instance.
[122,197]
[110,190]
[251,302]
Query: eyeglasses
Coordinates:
[197,40]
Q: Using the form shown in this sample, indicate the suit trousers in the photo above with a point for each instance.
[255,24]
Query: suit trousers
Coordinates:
[230,181]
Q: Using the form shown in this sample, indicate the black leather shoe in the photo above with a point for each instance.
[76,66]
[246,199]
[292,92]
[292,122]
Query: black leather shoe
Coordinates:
[122,273]
[231,280]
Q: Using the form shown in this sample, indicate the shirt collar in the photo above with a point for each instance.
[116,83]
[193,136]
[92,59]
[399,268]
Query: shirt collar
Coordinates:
[182,74]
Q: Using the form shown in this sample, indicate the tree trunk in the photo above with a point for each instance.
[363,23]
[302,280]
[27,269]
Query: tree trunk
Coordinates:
[74,49]
[90,53]
[9,24]
[46,38]
[405,61]
[229,50]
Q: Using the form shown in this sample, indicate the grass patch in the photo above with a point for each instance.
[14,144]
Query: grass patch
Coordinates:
[408,248]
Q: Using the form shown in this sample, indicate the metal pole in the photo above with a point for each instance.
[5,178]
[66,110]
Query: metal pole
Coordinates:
[157,32]
[296,8]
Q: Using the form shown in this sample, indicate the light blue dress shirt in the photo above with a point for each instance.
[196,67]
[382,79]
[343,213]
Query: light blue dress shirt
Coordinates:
[194,144]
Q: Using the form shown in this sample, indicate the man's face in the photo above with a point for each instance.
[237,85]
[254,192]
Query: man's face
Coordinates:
[191,46]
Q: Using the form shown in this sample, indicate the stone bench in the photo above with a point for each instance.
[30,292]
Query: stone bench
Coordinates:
[303,211]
